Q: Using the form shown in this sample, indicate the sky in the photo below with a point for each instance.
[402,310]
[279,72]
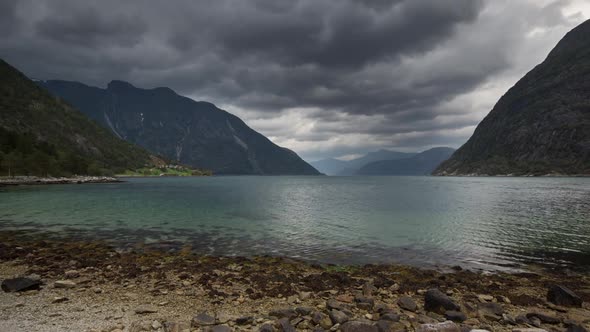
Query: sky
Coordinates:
[323,78]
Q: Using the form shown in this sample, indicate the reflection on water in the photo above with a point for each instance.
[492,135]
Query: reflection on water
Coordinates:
[479,222]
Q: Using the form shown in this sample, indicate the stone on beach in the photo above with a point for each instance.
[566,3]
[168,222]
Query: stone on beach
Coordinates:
[20,284]
[563,296]
[447,326]
[358,326]
[145,309]
[407,303]
[437,301]
[64,284]
[202,319]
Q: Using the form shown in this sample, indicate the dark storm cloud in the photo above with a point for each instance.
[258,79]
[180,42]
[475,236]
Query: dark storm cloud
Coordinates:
[378,68]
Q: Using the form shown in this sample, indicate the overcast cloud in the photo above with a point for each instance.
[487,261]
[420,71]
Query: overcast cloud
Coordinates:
[324,78]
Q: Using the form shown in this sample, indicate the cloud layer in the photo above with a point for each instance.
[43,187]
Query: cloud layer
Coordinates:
[325,78]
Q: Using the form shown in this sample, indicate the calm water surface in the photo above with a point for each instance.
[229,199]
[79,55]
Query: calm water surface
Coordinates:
[488,223]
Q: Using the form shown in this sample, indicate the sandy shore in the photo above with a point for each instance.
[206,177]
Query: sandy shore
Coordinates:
[89,286]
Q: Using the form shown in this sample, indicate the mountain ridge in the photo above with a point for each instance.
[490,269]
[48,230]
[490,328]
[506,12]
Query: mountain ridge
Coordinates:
[195,133]
[422,163]
[541,125]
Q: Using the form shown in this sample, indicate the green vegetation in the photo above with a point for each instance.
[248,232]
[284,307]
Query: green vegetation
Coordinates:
[41,135]
[166,171]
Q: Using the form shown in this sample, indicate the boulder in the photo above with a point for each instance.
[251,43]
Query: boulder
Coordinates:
[20,284]
[437,301]
[358,326]
[563,296]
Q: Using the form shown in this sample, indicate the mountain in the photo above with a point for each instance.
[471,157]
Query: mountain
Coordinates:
[421,164]
[193,133]
[333,166]
[541,125]
[41,135]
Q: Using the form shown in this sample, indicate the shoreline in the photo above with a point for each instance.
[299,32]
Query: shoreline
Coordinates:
[91,286]
[34,180]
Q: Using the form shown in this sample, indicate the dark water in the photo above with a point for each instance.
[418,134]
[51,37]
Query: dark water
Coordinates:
[488,223]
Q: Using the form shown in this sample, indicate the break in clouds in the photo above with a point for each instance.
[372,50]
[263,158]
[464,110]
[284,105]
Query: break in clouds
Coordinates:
[324,78]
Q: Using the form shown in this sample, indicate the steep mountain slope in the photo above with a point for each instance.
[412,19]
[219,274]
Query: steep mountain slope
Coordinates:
[340,167]
[421,164]
[194,133]
[541,125]
[41,135]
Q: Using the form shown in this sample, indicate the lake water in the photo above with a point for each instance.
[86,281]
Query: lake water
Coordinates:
[487,223]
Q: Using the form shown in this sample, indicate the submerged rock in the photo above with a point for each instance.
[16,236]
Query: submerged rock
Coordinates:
[437,301]
[20,284]
[562,295]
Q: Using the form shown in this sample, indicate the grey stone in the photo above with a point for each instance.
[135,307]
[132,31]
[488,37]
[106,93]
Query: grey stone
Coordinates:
[202,319]
[544,318]
[390,316]
[283,313]
[407,303]
[447,326]
[358,326]
[563,296]
[437,301]
[286,325]
[20,284]
[217,328]
[266,328]
[455,316]
[64,284]
[338,317]
[145,309]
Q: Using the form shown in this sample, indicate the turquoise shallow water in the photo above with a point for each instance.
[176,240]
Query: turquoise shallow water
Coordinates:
[488,223]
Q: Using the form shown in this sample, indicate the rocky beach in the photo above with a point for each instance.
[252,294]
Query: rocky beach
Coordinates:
[69,285]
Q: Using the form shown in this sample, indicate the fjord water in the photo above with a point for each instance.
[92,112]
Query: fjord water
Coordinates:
[488,223]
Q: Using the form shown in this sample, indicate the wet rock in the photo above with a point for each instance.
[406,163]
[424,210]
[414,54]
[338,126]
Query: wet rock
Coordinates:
[283,313]
[64,284]
[407,303]
[390,316]
[266,328]
[202,319]
[285,325]
[217,328]
[338,317]
[358,326]
[455,316]
[447,326]
[145,309]
[544,318]
[437,301]
[20,284]
[563,296]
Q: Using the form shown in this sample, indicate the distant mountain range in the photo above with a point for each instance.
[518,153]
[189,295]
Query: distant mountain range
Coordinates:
[420,164]
[41,135]
[541,125]
[385,162]
[193,133]
[333,166]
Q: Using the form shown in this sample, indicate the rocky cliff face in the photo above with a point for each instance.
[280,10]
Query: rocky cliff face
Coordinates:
[193,133]
[541,125]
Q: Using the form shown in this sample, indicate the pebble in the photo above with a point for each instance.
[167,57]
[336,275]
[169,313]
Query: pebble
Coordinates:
[64,284]
[145,309]
[447,326]
[437,301]
[71,274]
[407,303]
[202,319]
[59,299]
[358,326]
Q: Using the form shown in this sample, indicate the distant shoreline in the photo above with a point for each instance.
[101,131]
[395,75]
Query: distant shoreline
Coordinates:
[34,180]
